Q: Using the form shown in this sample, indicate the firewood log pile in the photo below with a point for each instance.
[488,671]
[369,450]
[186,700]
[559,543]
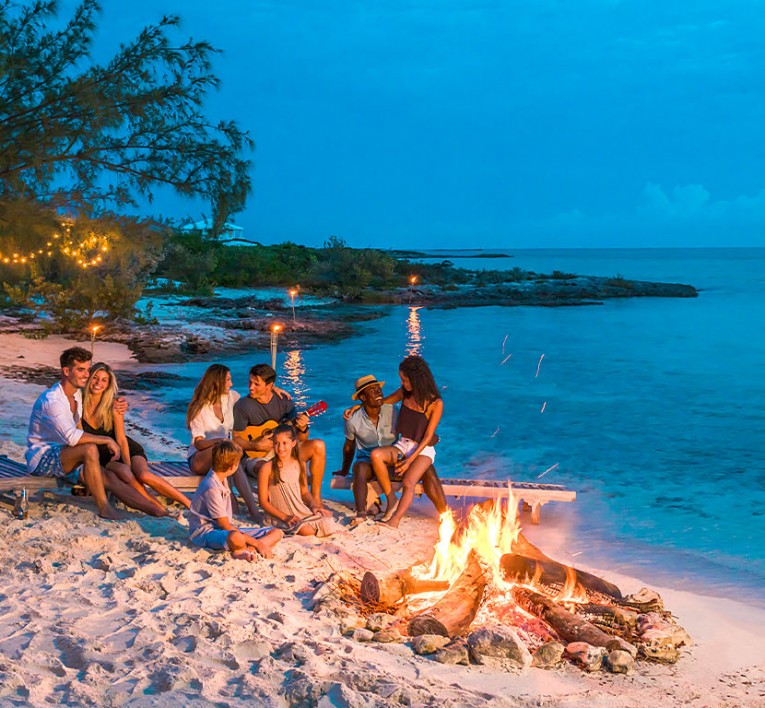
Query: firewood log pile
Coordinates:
[530,611]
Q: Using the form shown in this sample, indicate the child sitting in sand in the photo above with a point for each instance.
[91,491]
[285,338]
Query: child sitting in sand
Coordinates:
[283,490]
[211,511]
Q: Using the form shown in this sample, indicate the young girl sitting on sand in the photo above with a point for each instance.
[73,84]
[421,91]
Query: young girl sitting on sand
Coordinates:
[283,489]
[210,418]
[100,418]
[412,454]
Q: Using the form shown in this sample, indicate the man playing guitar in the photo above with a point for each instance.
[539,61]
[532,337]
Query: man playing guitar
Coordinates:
[264,409]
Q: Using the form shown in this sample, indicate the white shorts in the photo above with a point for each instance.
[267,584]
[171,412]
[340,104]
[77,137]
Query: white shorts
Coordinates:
[407,447]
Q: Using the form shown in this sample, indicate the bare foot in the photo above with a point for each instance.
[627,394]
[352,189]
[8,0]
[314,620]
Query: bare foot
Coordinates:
[390,524]
[109,513]
[243,554]
[262,548]
[391,507]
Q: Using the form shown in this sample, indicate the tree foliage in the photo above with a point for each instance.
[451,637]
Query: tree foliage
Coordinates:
[349,271]
[190,260]
[197,263]
[96,268]
[79,135]
[281,264]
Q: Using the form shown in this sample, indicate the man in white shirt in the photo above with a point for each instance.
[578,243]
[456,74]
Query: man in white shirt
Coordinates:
[374,425]
[56,447]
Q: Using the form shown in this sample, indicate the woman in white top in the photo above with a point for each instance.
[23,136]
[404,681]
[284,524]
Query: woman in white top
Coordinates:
[210,418]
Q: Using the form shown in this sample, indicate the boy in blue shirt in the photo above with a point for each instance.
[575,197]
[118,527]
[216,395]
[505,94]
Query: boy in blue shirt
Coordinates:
[211,512]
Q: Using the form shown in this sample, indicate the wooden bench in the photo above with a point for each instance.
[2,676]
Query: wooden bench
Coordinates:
[529,494]
[14,477]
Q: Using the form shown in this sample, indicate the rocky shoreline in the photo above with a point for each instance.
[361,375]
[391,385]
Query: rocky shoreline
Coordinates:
[212,326]
[547,292]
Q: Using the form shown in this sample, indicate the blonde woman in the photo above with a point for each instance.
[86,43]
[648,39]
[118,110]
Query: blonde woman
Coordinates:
[100,418]
[210,418]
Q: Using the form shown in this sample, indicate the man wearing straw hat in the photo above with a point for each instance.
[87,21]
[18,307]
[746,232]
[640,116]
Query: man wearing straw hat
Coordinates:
[373,425]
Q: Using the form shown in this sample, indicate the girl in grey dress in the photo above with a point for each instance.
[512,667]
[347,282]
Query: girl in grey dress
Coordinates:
[283,490]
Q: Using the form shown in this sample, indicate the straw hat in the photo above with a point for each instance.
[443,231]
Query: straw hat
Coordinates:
[365,382]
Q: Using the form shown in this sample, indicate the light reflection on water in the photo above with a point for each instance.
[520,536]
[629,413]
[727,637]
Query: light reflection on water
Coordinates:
[415,336]
[293,378]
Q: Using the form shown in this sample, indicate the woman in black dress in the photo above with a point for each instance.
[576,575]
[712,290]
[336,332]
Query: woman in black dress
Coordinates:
[100,418]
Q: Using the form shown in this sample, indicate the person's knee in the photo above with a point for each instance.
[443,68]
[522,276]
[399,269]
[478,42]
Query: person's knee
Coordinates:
[430,475]
[251,466]
[319,449]
[408,484]
[377,455]
[235,540]
[141,473]
[90,453]
[362,472]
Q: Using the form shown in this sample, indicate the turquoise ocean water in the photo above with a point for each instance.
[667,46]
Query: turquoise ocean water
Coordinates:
[652,409]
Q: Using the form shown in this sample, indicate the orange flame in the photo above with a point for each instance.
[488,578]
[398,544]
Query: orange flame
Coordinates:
[489,529]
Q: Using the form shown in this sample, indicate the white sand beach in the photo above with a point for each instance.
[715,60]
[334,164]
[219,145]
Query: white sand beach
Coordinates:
[129,613]
[93,612]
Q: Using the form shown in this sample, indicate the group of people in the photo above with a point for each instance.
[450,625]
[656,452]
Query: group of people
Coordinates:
[77,432]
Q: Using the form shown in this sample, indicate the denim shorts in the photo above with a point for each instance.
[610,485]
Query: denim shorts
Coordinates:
[216,539]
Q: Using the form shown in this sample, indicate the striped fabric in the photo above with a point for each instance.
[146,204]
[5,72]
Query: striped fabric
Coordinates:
[10,468]
[14,475]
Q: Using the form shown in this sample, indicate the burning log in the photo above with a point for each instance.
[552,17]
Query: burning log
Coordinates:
[523,547]
[390,589]
[558,580]
[608,617]
[455,611]
[568,626]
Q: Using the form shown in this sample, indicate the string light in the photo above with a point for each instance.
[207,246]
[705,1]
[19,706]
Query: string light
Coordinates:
[86,253]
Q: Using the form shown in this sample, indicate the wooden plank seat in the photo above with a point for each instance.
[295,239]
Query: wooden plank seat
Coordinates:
[177,473]
[530,494]
[14,476]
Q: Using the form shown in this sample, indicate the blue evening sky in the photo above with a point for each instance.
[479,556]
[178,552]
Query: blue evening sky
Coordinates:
[440,123]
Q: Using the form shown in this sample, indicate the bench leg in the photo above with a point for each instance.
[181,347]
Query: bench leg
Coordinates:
[373,495]
[536,510]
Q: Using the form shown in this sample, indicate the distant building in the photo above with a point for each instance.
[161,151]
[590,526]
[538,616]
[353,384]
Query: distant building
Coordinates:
[231,232]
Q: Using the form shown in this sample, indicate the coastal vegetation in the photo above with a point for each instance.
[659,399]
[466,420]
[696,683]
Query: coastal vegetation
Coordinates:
[194,263]
[82,143]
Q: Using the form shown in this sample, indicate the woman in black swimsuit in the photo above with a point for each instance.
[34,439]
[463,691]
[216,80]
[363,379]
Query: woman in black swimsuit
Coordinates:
[99,418]
[412,454]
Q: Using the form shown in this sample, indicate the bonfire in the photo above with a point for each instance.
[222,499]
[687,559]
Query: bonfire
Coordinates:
[502,600]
